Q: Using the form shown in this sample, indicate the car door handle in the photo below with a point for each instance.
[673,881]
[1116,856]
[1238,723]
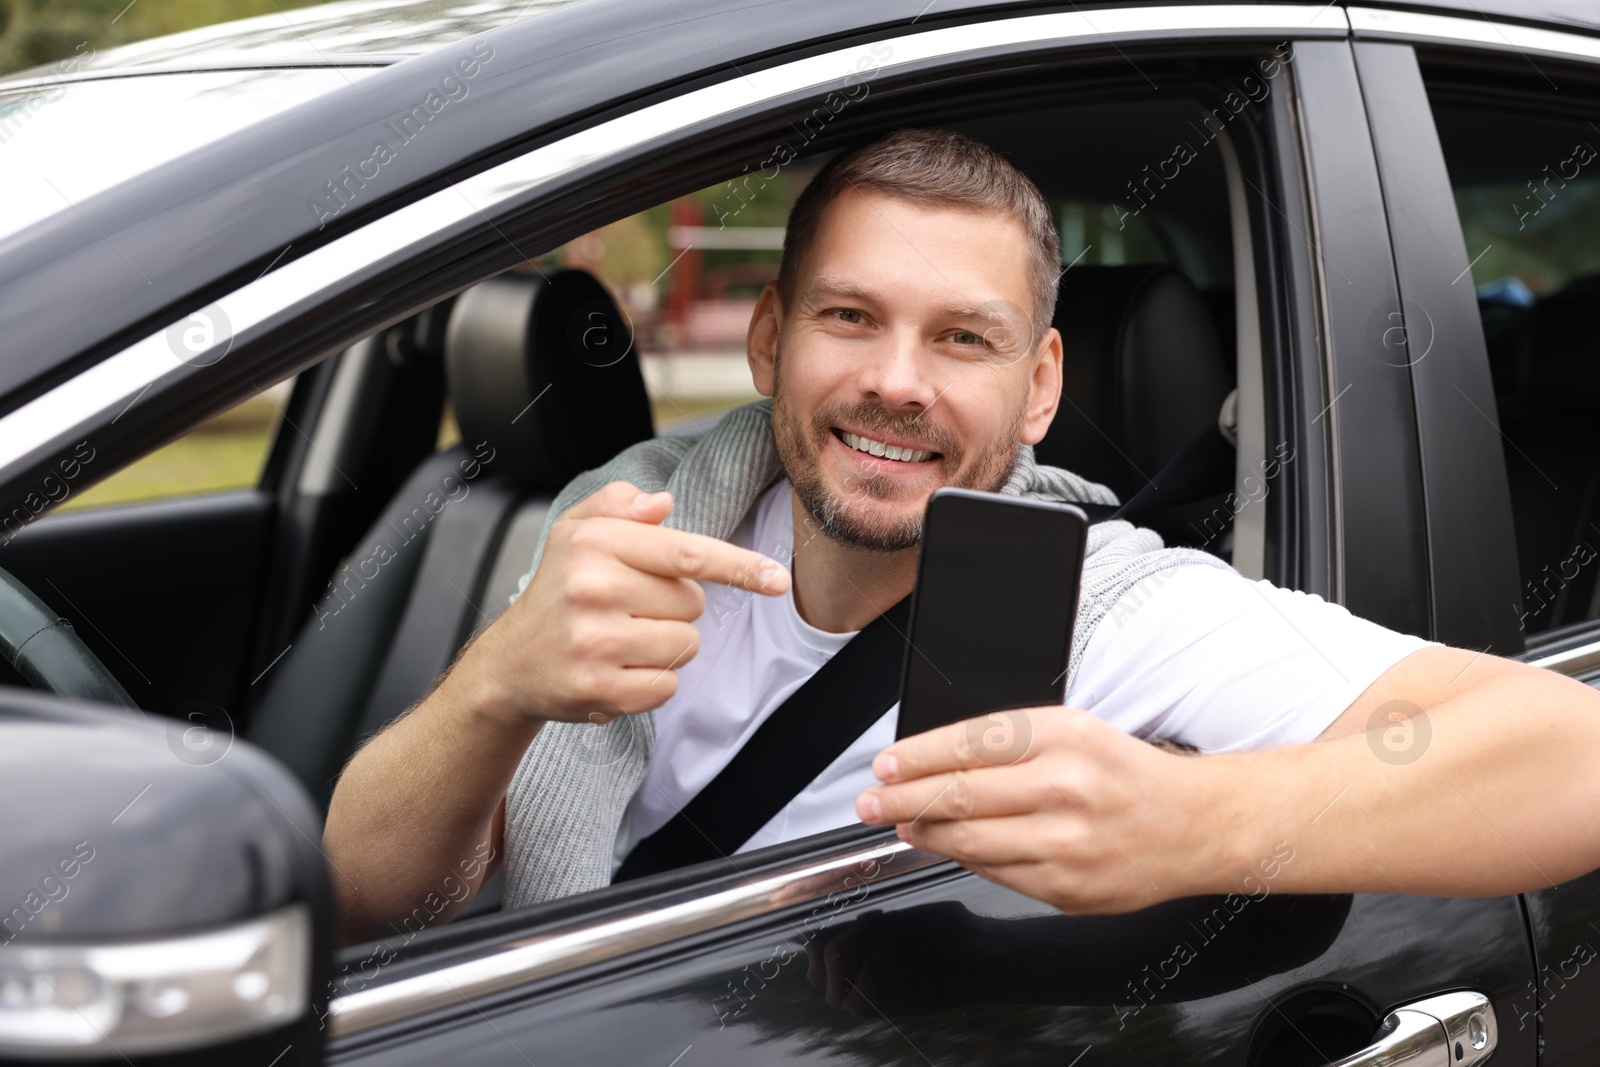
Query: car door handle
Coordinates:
[1449,1030]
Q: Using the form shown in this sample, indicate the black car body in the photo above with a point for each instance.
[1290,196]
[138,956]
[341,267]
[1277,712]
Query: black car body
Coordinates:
[379,214]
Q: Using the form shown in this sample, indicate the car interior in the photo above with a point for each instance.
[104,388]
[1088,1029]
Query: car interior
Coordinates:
[1528,193]
[308,612]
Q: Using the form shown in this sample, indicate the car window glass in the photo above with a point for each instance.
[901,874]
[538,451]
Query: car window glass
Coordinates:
[1527,189]
[226,451]
[62,144]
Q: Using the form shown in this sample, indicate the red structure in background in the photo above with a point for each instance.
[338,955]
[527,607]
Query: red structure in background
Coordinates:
[685,271]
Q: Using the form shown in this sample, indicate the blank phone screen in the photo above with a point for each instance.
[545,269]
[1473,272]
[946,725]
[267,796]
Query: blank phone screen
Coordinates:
[993,611]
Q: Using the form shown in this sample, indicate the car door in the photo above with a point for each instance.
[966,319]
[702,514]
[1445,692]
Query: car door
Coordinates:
[852,946]
[857,948]
[874,952]
[1493,184]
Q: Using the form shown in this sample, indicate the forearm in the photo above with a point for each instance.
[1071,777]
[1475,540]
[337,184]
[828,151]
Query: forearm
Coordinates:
[1503,798]
[411,824]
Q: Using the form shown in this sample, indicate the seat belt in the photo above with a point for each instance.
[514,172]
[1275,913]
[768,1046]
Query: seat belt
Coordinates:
[810,730]
[849,693]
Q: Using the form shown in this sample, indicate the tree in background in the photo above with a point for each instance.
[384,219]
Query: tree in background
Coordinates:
[36,32]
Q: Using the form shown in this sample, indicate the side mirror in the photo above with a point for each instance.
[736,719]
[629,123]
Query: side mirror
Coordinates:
[163,898]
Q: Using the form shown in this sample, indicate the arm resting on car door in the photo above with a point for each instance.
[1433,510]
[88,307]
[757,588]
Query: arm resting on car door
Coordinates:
[1501,796]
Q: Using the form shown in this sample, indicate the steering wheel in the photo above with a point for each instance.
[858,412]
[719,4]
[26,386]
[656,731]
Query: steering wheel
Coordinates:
[45,650]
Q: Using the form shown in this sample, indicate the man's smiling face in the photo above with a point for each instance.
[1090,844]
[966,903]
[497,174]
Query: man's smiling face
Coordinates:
[908,361]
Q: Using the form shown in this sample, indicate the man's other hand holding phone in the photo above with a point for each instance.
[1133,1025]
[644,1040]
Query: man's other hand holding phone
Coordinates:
[1056,803]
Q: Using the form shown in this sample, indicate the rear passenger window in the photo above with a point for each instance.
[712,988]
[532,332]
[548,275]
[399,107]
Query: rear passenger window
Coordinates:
[1526,181]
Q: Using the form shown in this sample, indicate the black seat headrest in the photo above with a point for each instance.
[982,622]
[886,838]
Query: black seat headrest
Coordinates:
[544,369]
[1143,373]
[1560,356]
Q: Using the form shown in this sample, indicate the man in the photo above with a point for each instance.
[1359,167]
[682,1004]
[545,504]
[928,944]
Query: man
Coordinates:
[905,347]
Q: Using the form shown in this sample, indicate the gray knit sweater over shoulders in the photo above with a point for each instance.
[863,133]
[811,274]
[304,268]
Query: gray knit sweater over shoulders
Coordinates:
[569,793]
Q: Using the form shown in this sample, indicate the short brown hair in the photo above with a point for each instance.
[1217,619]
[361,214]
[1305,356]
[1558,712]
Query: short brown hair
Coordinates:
[938,167]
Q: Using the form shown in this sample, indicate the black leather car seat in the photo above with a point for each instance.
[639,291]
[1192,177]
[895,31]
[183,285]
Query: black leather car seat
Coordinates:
[545,385]
[1552,428]
[1143,376]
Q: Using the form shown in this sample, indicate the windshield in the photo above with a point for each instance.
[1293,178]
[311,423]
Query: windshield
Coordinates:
[62,144]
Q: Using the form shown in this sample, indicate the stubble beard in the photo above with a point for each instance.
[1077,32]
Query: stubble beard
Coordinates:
[850,518]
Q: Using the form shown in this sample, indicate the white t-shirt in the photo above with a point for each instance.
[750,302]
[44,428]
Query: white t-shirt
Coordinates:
[1195,654]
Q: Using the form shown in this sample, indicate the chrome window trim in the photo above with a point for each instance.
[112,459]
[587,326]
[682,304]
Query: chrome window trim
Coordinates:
[1569,661]
[1373,23]
[521,960]
[124,376]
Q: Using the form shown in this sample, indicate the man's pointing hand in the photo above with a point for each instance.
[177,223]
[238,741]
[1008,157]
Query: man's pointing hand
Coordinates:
[608,618]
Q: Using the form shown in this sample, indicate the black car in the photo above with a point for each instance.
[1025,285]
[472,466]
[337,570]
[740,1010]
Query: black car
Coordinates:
[1366,238]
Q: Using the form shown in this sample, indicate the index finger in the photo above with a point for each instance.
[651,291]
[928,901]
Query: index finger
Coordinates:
[621,500]
[997,739]
[680,554]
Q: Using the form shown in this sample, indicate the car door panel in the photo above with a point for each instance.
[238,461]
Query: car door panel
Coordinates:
[1557,1002]
[953,969]
[166,593]
[1471,549]
[1379,530]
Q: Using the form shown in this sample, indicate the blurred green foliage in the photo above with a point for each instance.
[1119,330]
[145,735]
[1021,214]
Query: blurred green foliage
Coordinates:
[35,32]
[1545,239]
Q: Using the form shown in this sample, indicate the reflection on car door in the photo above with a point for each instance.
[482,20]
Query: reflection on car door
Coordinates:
[940,966]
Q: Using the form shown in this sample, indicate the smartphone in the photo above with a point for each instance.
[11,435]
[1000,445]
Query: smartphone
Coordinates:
[993,609]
